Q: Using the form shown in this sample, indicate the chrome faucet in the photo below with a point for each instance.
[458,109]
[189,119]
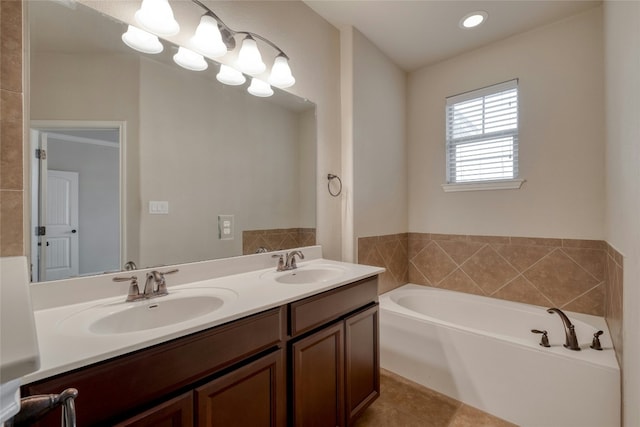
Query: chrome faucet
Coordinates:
[154,286]
[571,341]
[290,263]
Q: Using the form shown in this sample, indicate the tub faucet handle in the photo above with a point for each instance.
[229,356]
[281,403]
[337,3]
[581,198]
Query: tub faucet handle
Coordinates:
[595,344]
[544,340]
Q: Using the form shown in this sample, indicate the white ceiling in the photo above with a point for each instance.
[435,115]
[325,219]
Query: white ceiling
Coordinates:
[417,33]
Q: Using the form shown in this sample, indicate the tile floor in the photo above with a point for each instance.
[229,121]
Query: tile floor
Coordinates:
[403,403]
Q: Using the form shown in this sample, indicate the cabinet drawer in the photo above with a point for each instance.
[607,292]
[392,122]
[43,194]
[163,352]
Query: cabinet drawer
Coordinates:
[117,386]
[317,310]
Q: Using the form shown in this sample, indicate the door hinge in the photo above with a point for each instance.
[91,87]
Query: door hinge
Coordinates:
[41,231]
[41,154]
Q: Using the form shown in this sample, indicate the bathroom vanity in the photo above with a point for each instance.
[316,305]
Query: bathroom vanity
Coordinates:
[312,360]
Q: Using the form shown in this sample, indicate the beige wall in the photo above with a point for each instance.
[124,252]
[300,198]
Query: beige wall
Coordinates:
[622,226]
[379,142]
[209,161]
[560,72]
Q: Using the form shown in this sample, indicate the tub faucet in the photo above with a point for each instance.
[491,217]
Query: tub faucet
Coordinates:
[571,341]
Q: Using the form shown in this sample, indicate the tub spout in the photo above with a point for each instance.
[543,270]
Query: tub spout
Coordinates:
[571,341]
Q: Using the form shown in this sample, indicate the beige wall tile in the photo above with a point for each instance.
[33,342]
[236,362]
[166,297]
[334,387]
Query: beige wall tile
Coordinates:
[11,223]
[559,278]
[11,45]
[521,290]
[11,137]
[590,303]
[539,271]
[489,270]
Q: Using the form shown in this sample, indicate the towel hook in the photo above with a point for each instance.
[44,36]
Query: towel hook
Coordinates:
[331,177]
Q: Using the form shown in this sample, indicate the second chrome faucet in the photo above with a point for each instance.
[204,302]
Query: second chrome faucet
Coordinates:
[288,263]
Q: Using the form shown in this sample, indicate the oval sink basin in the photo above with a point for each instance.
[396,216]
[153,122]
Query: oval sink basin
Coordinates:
[308,274]
[125,317]
[156,313]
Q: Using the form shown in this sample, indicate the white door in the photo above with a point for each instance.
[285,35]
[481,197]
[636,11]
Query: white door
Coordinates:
[62,257]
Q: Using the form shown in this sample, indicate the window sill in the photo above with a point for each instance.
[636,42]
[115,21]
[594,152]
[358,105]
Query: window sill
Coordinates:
[511,184]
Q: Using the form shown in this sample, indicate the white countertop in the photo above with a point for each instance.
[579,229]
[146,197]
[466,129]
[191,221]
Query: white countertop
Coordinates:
[63,348]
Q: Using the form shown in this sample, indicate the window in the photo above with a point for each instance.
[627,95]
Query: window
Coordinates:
[482,135]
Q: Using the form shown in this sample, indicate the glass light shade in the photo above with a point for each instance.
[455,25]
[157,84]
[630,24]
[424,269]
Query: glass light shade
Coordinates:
[190,60]
[141,40]
[156,16]
[207,39]
[249,58]
[260,88]
[230,76]
[281,73]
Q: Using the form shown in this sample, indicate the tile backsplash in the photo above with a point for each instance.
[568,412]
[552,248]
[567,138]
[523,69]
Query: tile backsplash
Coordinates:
[11,172]
[613,298]
[564,273]
[277,239]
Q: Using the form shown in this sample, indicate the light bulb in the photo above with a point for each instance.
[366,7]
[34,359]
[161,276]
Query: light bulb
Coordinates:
[141,40]
[281,73]
[207,39]
[156,16]
[230,76]
[473,19]
[260,88]
[190,60]
[249,58]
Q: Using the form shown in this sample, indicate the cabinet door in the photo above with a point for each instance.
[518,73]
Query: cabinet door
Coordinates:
[362,362]
[318,378]
[252,396]
[177,412]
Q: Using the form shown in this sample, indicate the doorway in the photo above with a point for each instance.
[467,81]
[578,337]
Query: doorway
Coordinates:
[77,199]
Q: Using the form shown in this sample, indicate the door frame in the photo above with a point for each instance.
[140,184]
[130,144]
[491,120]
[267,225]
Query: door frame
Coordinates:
[38,126]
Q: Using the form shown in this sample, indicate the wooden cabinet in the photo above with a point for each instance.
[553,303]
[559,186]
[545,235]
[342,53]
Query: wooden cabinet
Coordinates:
[318,378]
[250,396]
[313,362]
[177,412]
[362,362]
[335,368]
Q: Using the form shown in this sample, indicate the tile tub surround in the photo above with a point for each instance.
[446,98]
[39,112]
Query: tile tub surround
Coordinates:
[565,273]
[277,239]
[390,252]
[613,298]
[11,172]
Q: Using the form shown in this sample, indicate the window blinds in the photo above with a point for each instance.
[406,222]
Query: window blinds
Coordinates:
[482,134]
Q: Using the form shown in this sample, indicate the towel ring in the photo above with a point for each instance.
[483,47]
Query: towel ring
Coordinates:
[331,177]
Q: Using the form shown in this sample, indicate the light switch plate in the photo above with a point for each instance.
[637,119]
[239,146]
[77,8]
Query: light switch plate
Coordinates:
[158,207]
[225,227]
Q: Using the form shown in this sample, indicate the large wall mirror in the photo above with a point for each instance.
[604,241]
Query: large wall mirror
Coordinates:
[150,163]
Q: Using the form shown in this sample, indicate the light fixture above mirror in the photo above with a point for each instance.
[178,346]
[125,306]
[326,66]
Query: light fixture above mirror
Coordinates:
[212,39]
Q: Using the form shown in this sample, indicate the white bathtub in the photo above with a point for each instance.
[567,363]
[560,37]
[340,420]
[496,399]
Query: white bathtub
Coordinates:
[480,351]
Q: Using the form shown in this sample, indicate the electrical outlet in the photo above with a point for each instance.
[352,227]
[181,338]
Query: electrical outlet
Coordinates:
[225,227]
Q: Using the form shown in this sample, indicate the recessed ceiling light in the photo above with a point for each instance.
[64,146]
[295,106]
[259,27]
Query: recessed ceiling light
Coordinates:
[473,19]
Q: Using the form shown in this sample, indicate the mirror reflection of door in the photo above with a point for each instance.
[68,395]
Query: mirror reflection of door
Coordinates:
[62,257]
[76,187]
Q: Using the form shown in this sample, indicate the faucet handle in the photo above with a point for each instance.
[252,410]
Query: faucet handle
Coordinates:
[162,284]
[134,290]
[544,340]
[595,344]
[280,266]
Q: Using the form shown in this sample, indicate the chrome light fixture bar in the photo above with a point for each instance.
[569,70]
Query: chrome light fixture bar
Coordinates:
[213,39]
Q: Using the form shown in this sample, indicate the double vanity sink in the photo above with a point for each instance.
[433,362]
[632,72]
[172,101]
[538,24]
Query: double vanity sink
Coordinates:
[186,303]
[209,334]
